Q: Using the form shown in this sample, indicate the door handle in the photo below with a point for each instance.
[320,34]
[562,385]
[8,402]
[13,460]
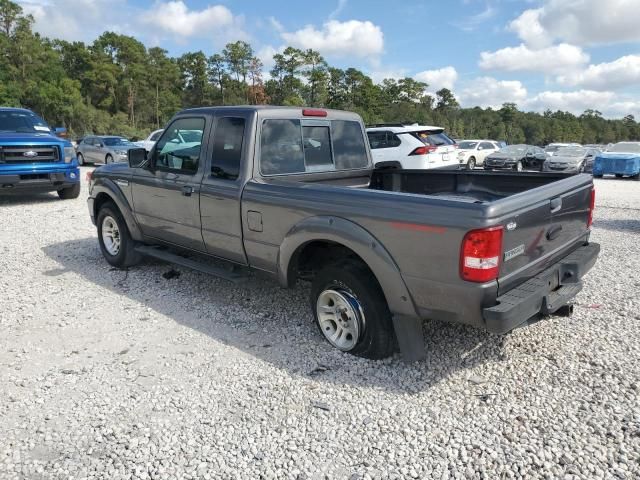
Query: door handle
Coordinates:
[556,204]
[187,190]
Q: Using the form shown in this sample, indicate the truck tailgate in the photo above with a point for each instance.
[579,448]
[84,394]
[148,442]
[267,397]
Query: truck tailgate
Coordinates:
[541,234]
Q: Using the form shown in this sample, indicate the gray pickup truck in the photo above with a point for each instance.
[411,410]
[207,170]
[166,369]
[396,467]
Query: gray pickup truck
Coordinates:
[291,192]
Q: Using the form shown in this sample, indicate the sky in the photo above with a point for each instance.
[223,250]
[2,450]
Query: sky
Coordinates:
[540,54]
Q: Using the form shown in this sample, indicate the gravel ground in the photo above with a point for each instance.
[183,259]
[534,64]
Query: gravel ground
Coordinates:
[114,375]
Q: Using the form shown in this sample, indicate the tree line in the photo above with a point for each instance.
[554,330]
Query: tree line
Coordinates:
[116,85]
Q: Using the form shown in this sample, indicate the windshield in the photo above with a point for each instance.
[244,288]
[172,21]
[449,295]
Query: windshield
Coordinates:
[21,121]
[552,148]
[571,152]
[117,141]
[467,145]
[625,147]
[514,149]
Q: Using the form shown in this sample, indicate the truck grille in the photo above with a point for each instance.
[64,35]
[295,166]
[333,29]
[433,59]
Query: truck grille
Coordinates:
[35,154]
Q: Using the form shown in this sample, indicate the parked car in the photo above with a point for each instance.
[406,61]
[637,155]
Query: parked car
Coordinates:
[33,158]
[552,148]
[411,147]
[471,153]
[621,159]
[571,159]
[291,192]
[103,149]
[516,157]
[150,140]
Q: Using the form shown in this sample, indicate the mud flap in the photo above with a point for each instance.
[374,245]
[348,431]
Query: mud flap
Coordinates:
[410,338]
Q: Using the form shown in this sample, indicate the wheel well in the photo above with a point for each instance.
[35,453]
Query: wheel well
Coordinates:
[100,200]
[310,257]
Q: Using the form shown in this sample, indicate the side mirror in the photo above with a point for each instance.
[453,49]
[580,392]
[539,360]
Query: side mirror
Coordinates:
[136,157]
[60,132]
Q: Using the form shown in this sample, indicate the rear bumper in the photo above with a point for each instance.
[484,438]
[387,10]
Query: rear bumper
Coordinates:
[543,294]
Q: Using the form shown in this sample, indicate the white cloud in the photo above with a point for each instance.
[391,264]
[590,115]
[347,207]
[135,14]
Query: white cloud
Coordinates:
[580,22]
[490,92]
[623,72]
[378,75]
[440,78]
[527,27]
[352,38]
[175,17]
[555,59]
[338,10]
[575,101]
[470,23]
[265,54]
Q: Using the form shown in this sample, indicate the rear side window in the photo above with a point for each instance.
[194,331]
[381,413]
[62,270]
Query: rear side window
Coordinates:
[382,139]
[487,146]
[155,136]
[349,149]
[287,146]
[227,148]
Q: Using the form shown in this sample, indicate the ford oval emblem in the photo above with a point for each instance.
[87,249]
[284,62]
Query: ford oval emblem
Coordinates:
[511,226]
[30,154]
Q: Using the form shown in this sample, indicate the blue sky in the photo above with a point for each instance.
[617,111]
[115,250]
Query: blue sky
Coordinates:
[557,54]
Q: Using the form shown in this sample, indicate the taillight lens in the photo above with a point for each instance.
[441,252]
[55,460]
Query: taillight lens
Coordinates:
[89,176]
[480,254]
[592,206]
[424,150]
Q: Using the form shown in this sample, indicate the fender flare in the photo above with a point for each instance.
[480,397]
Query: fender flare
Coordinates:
[108,187]
[361,242]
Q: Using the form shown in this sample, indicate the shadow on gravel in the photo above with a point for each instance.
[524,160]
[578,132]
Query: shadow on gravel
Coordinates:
[275,324]
[16,198]
[632,226]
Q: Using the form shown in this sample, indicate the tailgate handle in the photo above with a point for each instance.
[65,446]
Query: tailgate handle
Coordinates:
[556,204]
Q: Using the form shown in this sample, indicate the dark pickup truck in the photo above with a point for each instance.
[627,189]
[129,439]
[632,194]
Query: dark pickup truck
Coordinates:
[291,192]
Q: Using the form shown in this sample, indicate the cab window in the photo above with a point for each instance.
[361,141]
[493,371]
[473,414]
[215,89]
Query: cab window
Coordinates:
[178,150]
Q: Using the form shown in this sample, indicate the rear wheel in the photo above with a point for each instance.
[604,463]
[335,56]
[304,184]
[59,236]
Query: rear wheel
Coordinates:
[597,175]
[471,164]
[618,175]
[351,312]
[116,244]
[69,193]
[518,166]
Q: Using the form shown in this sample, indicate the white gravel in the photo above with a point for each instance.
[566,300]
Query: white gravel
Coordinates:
[114,375]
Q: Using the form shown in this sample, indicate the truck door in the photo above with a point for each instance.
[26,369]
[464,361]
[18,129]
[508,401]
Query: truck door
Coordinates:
[221,189]
[166,193]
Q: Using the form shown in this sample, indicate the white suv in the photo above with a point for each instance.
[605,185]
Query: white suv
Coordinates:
[473,152]
[411,147]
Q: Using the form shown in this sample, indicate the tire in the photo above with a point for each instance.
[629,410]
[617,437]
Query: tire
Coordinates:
[124,255]
[108,159]
[80,159]
[368,330]
[69,193]
[597,175]
[471,164]
[636,177]
[518,166]
[618,175]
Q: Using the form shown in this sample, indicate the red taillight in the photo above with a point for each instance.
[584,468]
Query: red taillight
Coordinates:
[314,112]
[424,150]
[88,176]
[592,206]
[480,255]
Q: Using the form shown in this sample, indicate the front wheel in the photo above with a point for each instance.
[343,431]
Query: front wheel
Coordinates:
[116,244]
[351,312]
[80,159]
[108,159]
[518,166]
[471,164]
[69,193]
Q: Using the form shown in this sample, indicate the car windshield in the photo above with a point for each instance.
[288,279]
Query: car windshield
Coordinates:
[117,142]
[571,152]
[21,121]
[625,147]
[467,145]
[552,148]
[514,149]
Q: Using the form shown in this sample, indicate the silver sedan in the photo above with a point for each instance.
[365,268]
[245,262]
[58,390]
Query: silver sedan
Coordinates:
[103,149]
[571,160]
